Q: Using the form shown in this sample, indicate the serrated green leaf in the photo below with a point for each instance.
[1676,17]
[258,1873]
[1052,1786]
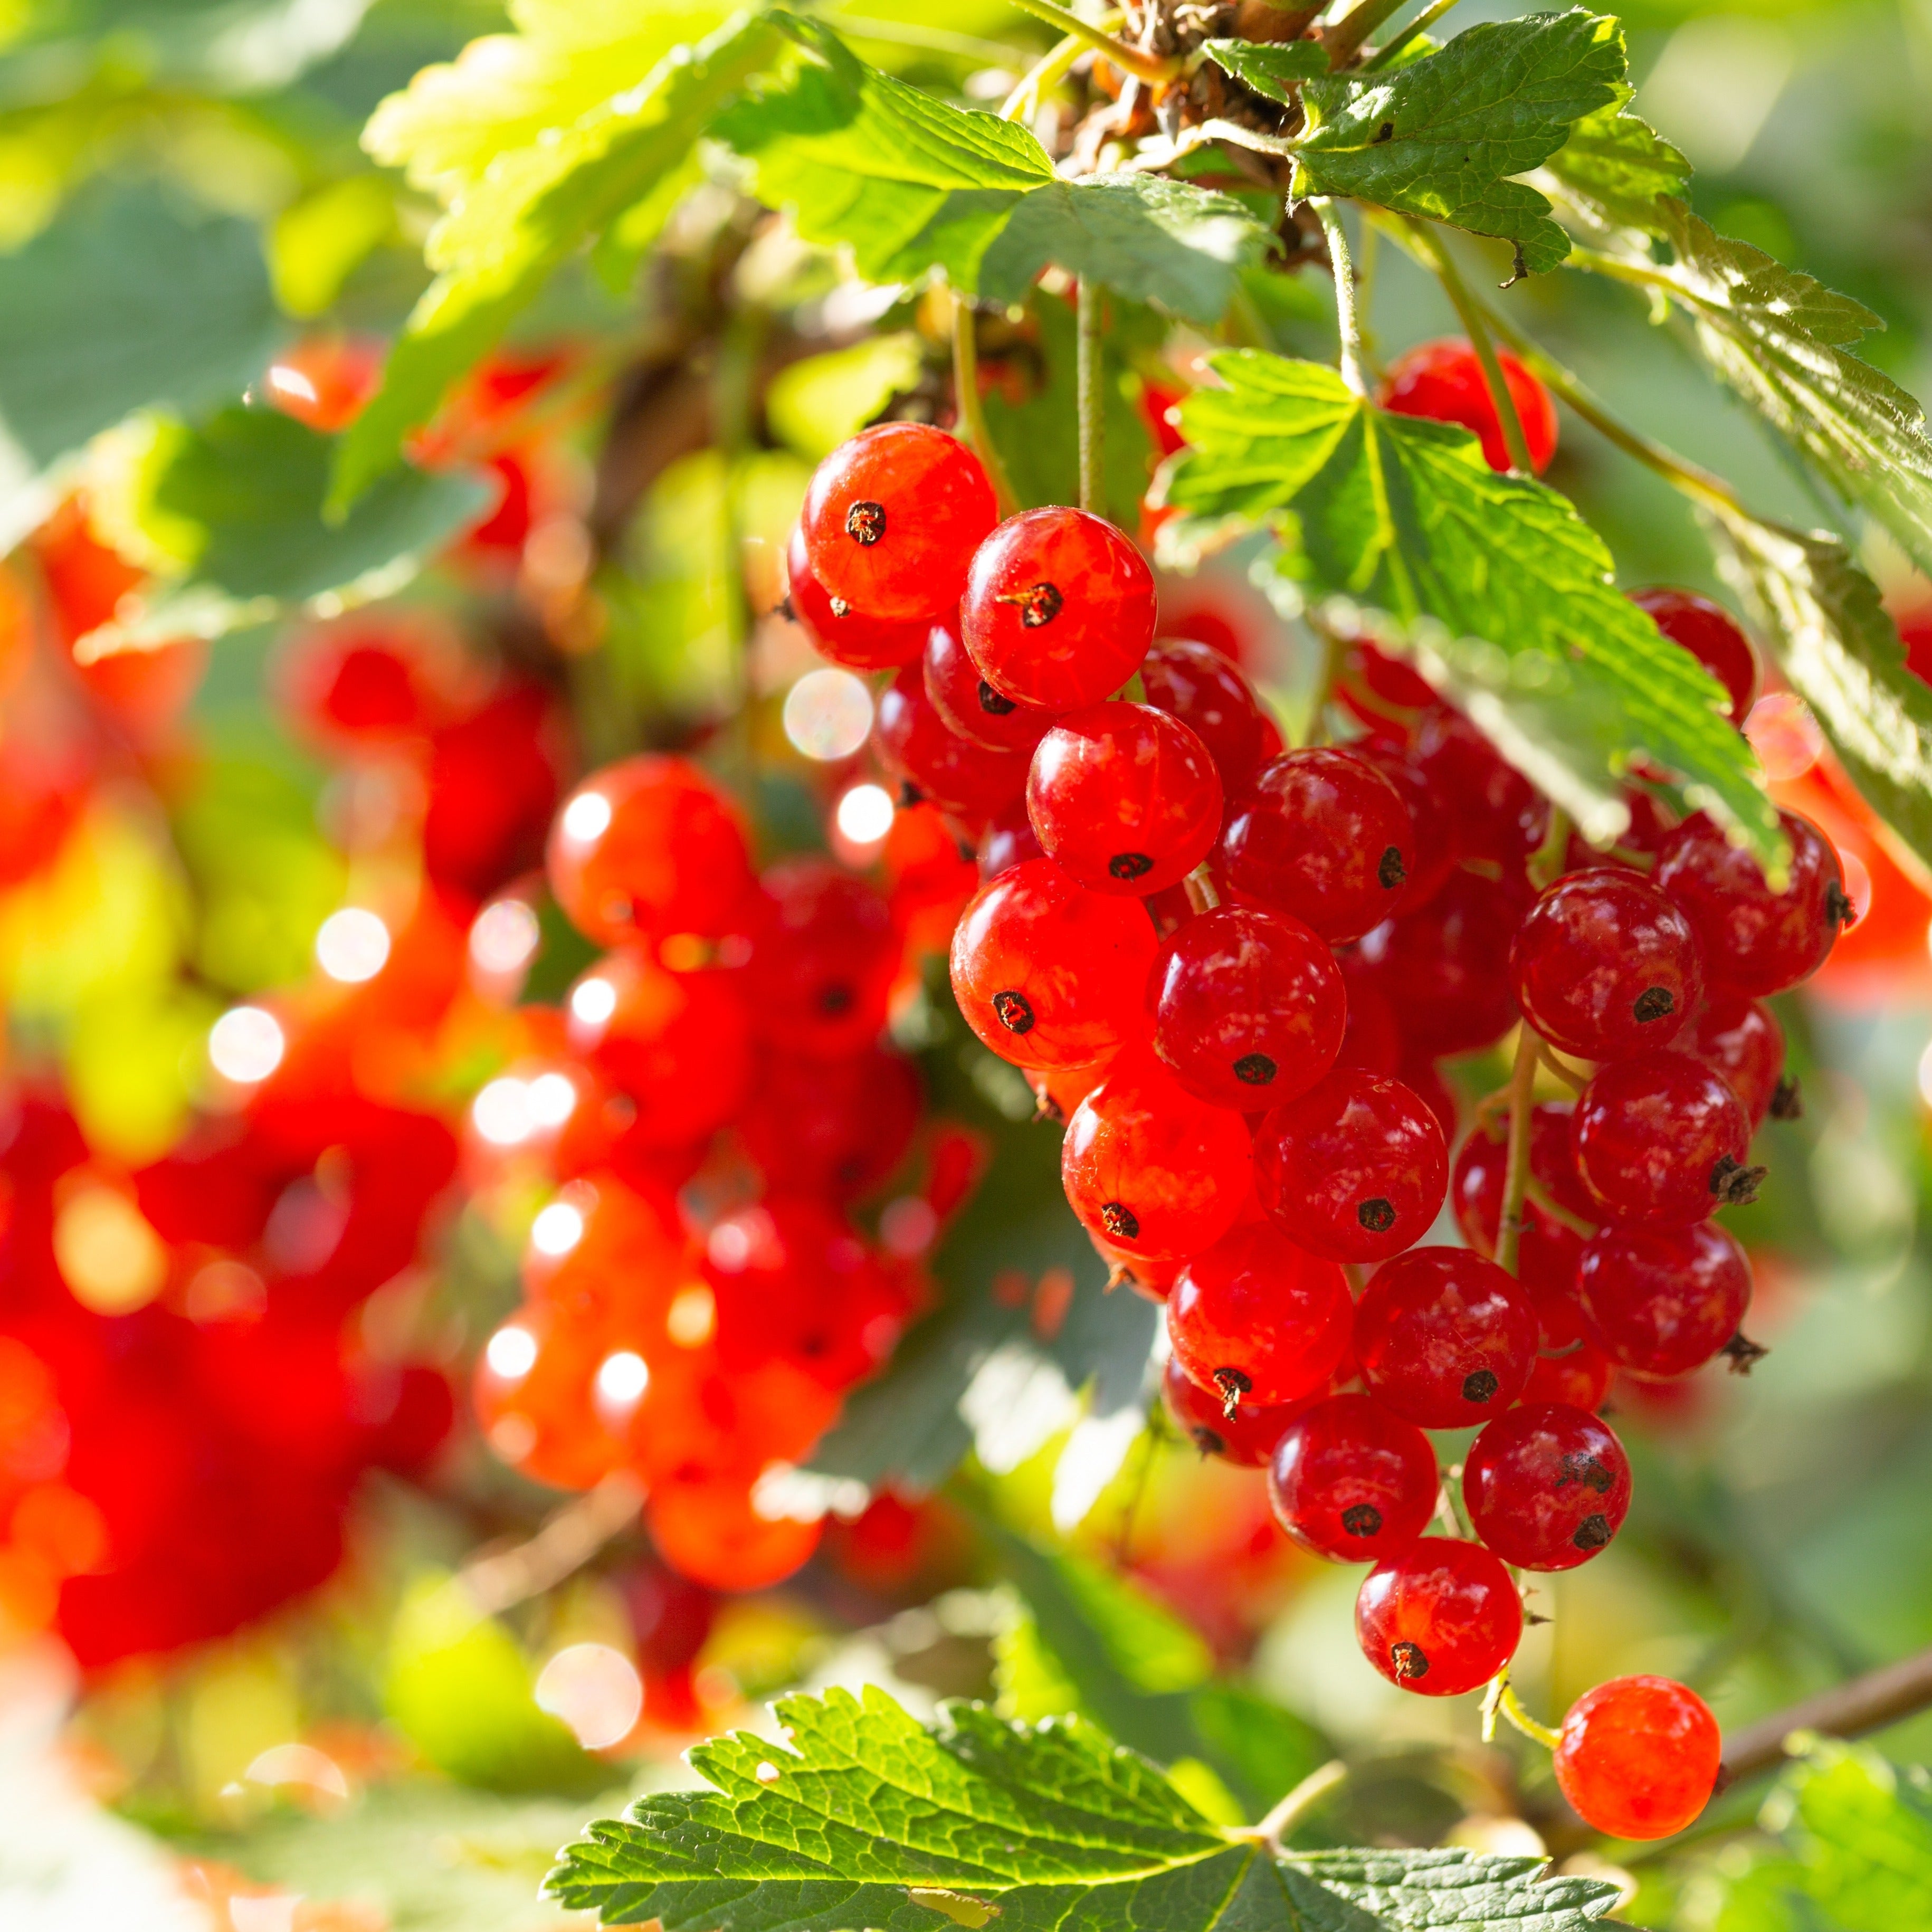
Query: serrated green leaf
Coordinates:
[1862,1830]
[1441,138]
[534,207]
[864,1818]
[1838,648]
[1272,68]
[1497,589]
[1611,173]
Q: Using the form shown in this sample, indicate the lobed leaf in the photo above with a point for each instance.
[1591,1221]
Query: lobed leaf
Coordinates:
[1441,137]
[1272,68]
[1612,172]
[1497,589]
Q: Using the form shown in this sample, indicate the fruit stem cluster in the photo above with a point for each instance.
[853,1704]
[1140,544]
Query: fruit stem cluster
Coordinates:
[1501,1700]
[1515,1175]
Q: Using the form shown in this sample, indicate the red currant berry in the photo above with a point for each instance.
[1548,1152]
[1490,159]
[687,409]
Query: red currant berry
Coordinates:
[837,1127]
[1060,609]
[1662,1140]
[824,953]
[1445,967]
[1439,1617]
[1578,1377]
[1048,974]
[1323,835]
[531,1394]
[1547,1488]
[1755,941]
[1639,1757]
[1547,1250]
[931,761]
[648,846]
[892,519]
[1445,1338]
[1248,1006]
[1444,381]
[1124,799]
[839,632]
[1355,1169]
[1149,1168]
[705,1527]
[1371,1041]
[1194,683]
[1255,1319]
[1057,1091]
[1711,635]
[1246,1438]
[1350,1481]
[1008,841]
[1433,855]
[968,705]
[1606,966]
[1663,1302]
[1495,814]
[1741,1040]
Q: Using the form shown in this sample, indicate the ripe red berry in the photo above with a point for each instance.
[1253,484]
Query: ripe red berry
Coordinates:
[1350,1481]
[648,846]
[1444,967]
[1579,1376]
[1149,1168]
[1248,1006]
[1445,1338]
[1194,683]
[1060,609]
[1123,798]
[1255,1319]
[1355,1169]
[1547,1487]
[1741,1040]
[824,951]
[1660,1140]
[931,761]
[967,705]
[1546,1250]
[1048,974]
[892,519]
[1663,1302]
[1606,966]
[1323,835]
[532,1393]
[1639,1757]
[837,1127]
[1432,856]
[705,1528]
[1496,813]
[1246,1438]
[1444,381]
[841,633]
[1755,941]
[1439,1617]
[1711,635]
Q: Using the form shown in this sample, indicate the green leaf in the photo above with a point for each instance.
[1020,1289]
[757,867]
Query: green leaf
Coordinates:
[1441,138]
[1611,173]
[125,304]
[1497,589]
[863,1818]
[1272,68]
[813,404]
[235,504]
[1840,651]
[1862,1830]
[532,209]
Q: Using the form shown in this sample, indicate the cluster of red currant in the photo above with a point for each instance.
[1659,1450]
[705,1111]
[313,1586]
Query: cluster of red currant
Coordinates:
[1213,958]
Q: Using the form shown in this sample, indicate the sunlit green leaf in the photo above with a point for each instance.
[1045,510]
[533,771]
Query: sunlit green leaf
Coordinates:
[1273,68]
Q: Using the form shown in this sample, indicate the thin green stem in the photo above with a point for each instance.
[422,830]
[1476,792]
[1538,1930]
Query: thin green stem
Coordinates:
[1475,327]
[971,412]
[1371,252]
[1128,59]
[1295,1805]
[1516,1171]
[1090,375]
[1421,24]
[1345,37]
[1546,862]
[1501,1700]
[1043,73]
[1535,1190]
[1347,318]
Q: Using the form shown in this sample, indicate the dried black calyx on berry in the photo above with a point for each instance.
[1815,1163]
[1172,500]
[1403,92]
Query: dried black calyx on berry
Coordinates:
[1653,1003]
[1255,1069]
[1361,1519]
[1207,1441]
[1391,871]
[786,609]
[1233,1385]
[1376,1214]
[909,794]
[1839,911]
[866,522]
[1408,1661]
[1578,1466]
[1787,1099]
[1014,1011]
[1130,866]
[1046,1108]
[1119,1220]
[992,702]
[1592,1533]
[1735,1184]
[1040,603]
[840,608]
[836,999]
[1481,1385]
[1741,1353]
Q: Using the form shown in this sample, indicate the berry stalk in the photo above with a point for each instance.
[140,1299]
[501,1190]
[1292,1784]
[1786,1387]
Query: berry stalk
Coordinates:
[1516,1174]
[1347,317]
[971,412]
[1128,59]
[1473,319]
[1089,367]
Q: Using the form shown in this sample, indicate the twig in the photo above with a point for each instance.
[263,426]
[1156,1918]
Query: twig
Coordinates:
[1868,1703]
[971,411]
[1129,60]
[1348,321]
[1516,1171]
[1423,22]
[1345,37]
[1089,370]
[567,1540]
[1048,68]
[1289,1810]
[1471,316]
[1501,1699]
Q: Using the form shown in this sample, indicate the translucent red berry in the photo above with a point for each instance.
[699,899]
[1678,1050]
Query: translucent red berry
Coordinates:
[1495,814]
[1444,967]
[1444,381]
[1350,1481]
[824,951]
[1355,1169]
[841,633]
[1578,1376]
[1639,1757]
[1439,1617]
[1741,1040]
[837,1127]
[1195,683]
[1445,1338]
[968,705]
[1546,1248]
[1661,1140]
[1711,635]
[892,519]
[706,1528]
[1059,610]
[1432,855]
[1248,1006]
[932,761]
[1547,1488]
[1664,1301]
[1246,1438]
[1008,841]
[1123,798]
[1048,974]
[1149,1168]
[1323,835]
[1254,1319]
[1606,966]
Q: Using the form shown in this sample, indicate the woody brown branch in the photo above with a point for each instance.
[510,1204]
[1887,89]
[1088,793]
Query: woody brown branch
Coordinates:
[1866,1703]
